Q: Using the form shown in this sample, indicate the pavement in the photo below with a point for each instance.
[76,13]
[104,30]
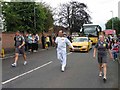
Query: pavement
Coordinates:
[43,71]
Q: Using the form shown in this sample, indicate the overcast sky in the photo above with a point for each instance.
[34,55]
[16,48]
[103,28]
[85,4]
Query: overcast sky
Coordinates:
[100,9]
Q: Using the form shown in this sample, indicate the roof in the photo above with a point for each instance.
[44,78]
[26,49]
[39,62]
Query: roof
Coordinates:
[110,31]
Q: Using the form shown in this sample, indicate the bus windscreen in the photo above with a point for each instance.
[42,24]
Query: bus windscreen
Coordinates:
[91,31]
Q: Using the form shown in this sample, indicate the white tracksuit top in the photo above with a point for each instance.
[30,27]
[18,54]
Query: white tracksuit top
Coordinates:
[62,42]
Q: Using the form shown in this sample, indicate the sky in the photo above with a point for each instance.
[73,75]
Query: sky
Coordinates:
[100,10]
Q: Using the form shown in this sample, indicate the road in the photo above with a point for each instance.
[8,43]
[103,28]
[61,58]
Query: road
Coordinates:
[43,71]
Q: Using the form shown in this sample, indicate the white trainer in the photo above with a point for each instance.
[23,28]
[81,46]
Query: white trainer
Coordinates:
[14,65]
[63,69]
[104,79]
[100,74]
[25,62]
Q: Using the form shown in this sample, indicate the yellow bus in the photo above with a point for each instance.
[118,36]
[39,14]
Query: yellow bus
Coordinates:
[92,31]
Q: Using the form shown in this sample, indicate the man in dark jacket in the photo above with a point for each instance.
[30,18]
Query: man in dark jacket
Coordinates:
[43,41]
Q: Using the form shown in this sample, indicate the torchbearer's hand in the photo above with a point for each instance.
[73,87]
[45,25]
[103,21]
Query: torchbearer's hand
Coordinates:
[72,49]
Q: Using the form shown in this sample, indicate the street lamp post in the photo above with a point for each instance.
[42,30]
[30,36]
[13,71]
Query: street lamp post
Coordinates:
[34,19]
[68,19]
[72,20]
[112,20]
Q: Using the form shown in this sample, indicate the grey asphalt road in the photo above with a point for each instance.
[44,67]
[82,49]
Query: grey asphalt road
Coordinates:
[43,71]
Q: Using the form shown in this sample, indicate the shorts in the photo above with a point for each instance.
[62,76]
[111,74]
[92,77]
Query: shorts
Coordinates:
[102,59]
[20,50]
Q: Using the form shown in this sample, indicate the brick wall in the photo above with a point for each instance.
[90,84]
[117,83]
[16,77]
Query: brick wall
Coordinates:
[8,41]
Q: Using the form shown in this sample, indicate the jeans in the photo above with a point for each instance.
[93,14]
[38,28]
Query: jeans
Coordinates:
[115,55]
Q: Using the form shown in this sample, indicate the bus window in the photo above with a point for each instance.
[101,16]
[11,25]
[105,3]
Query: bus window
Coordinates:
[92,31]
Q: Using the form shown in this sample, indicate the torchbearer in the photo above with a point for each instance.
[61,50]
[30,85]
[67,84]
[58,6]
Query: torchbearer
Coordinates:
[61,42]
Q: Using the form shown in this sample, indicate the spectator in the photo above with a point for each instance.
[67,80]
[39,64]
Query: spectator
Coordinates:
[15,40]
[43,41]
[34,43]
[115,49]
[54,41]
[30,42]
[26,41]
[119,48]
[37,41]
[48,40]
[70,38]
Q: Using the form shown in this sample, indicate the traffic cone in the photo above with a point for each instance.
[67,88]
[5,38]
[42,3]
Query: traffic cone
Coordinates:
[2,53]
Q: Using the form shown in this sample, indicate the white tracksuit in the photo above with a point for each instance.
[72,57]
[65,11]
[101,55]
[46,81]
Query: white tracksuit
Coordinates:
[61,49]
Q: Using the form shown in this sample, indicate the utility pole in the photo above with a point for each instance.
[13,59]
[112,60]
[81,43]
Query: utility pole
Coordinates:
[72,20]
[34,18]
[112,20]
[68,19]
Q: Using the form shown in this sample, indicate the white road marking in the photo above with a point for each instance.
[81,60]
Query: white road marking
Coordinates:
[69,53]
[16,77]
[7,81]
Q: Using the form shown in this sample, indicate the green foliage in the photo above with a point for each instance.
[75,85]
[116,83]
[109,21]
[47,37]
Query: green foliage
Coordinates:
[116,24]
[26,16]
[49,20]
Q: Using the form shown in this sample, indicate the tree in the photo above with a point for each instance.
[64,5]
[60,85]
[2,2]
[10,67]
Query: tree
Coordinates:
[73,15]
[116,24]
[48,21]
[25,16]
